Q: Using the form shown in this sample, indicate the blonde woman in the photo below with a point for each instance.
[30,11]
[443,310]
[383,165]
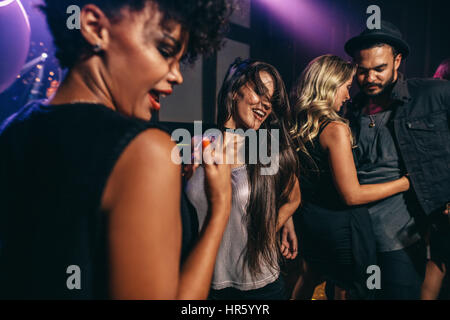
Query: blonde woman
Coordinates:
[335,233]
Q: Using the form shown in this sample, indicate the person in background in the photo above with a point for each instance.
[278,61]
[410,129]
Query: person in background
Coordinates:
[401,126]
[439,233]
[335,232]
[443,70]
[252,97]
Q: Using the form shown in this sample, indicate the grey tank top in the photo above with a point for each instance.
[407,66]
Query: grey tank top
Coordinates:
[229,269]
[379,161]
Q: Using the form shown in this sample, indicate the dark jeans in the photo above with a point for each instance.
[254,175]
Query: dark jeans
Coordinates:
[402,273]
[440,240]
[273,291]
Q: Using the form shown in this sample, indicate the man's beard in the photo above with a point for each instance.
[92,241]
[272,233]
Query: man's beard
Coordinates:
[384,87]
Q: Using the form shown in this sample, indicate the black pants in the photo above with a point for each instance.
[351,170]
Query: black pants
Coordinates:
[402,273]
[273,291]
[440,240]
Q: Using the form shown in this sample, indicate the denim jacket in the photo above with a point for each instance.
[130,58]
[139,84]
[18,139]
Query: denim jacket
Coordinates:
[421,130]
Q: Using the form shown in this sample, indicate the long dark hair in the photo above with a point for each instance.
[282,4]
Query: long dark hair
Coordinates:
[268,193]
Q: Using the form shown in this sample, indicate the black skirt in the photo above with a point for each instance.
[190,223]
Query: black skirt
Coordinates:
[339,244]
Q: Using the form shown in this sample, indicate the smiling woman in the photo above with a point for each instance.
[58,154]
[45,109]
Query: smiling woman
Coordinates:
[132,45]
[253,96]
[102,192]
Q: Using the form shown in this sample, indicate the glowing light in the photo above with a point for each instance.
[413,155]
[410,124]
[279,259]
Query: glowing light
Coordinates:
[44,55]
[39,66]
[50,78]
[38,80]
[51,73]
[6,2]
[308,20]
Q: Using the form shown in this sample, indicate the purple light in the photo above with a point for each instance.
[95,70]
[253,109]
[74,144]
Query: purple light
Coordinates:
[14,41]
[308,20]
[5,3]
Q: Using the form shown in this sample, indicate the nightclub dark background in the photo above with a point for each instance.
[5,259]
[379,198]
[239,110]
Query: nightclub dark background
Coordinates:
[285,33]
[424,24]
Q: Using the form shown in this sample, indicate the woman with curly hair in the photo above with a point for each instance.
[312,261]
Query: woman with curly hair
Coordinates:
[335,233]
[90,197]
[252,98]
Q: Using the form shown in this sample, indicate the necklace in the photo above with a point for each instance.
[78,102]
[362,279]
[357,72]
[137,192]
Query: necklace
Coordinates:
[372,121]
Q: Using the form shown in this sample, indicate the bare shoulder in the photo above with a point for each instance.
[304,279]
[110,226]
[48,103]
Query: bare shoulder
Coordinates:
[151,149]
[146,161]
[153,142]
[334,133]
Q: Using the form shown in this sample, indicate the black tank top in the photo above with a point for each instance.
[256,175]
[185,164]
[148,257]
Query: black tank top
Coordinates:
[316,181]
[54,165]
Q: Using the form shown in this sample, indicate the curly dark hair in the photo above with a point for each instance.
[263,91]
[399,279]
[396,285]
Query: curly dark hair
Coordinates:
[205,20]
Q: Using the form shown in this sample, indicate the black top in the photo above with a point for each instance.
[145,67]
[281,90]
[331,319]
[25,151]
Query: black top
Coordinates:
[316,180]
[54,165]
[337,238]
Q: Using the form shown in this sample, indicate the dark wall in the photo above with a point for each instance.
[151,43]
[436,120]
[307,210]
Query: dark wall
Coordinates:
[424,24]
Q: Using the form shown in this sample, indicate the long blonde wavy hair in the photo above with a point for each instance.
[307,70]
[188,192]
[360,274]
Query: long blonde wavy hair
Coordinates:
[314,94]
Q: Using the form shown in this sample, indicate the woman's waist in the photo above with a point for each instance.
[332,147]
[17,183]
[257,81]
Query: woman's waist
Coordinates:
[231,268]
[327,197]
[242,278]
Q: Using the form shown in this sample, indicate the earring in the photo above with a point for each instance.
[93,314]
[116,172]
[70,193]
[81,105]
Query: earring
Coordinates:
[97,48]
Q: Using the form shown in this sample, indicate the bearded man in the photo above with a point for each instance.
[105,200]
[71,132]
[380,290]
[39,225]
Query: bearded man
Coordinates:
[401,126]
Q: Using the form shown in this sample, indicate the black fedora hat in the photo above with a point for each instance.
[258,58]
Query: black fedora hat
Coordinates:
[388,33]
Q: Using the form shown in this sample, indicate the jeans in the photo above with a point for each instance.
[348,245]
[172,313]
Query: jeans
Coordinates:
[402,273]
